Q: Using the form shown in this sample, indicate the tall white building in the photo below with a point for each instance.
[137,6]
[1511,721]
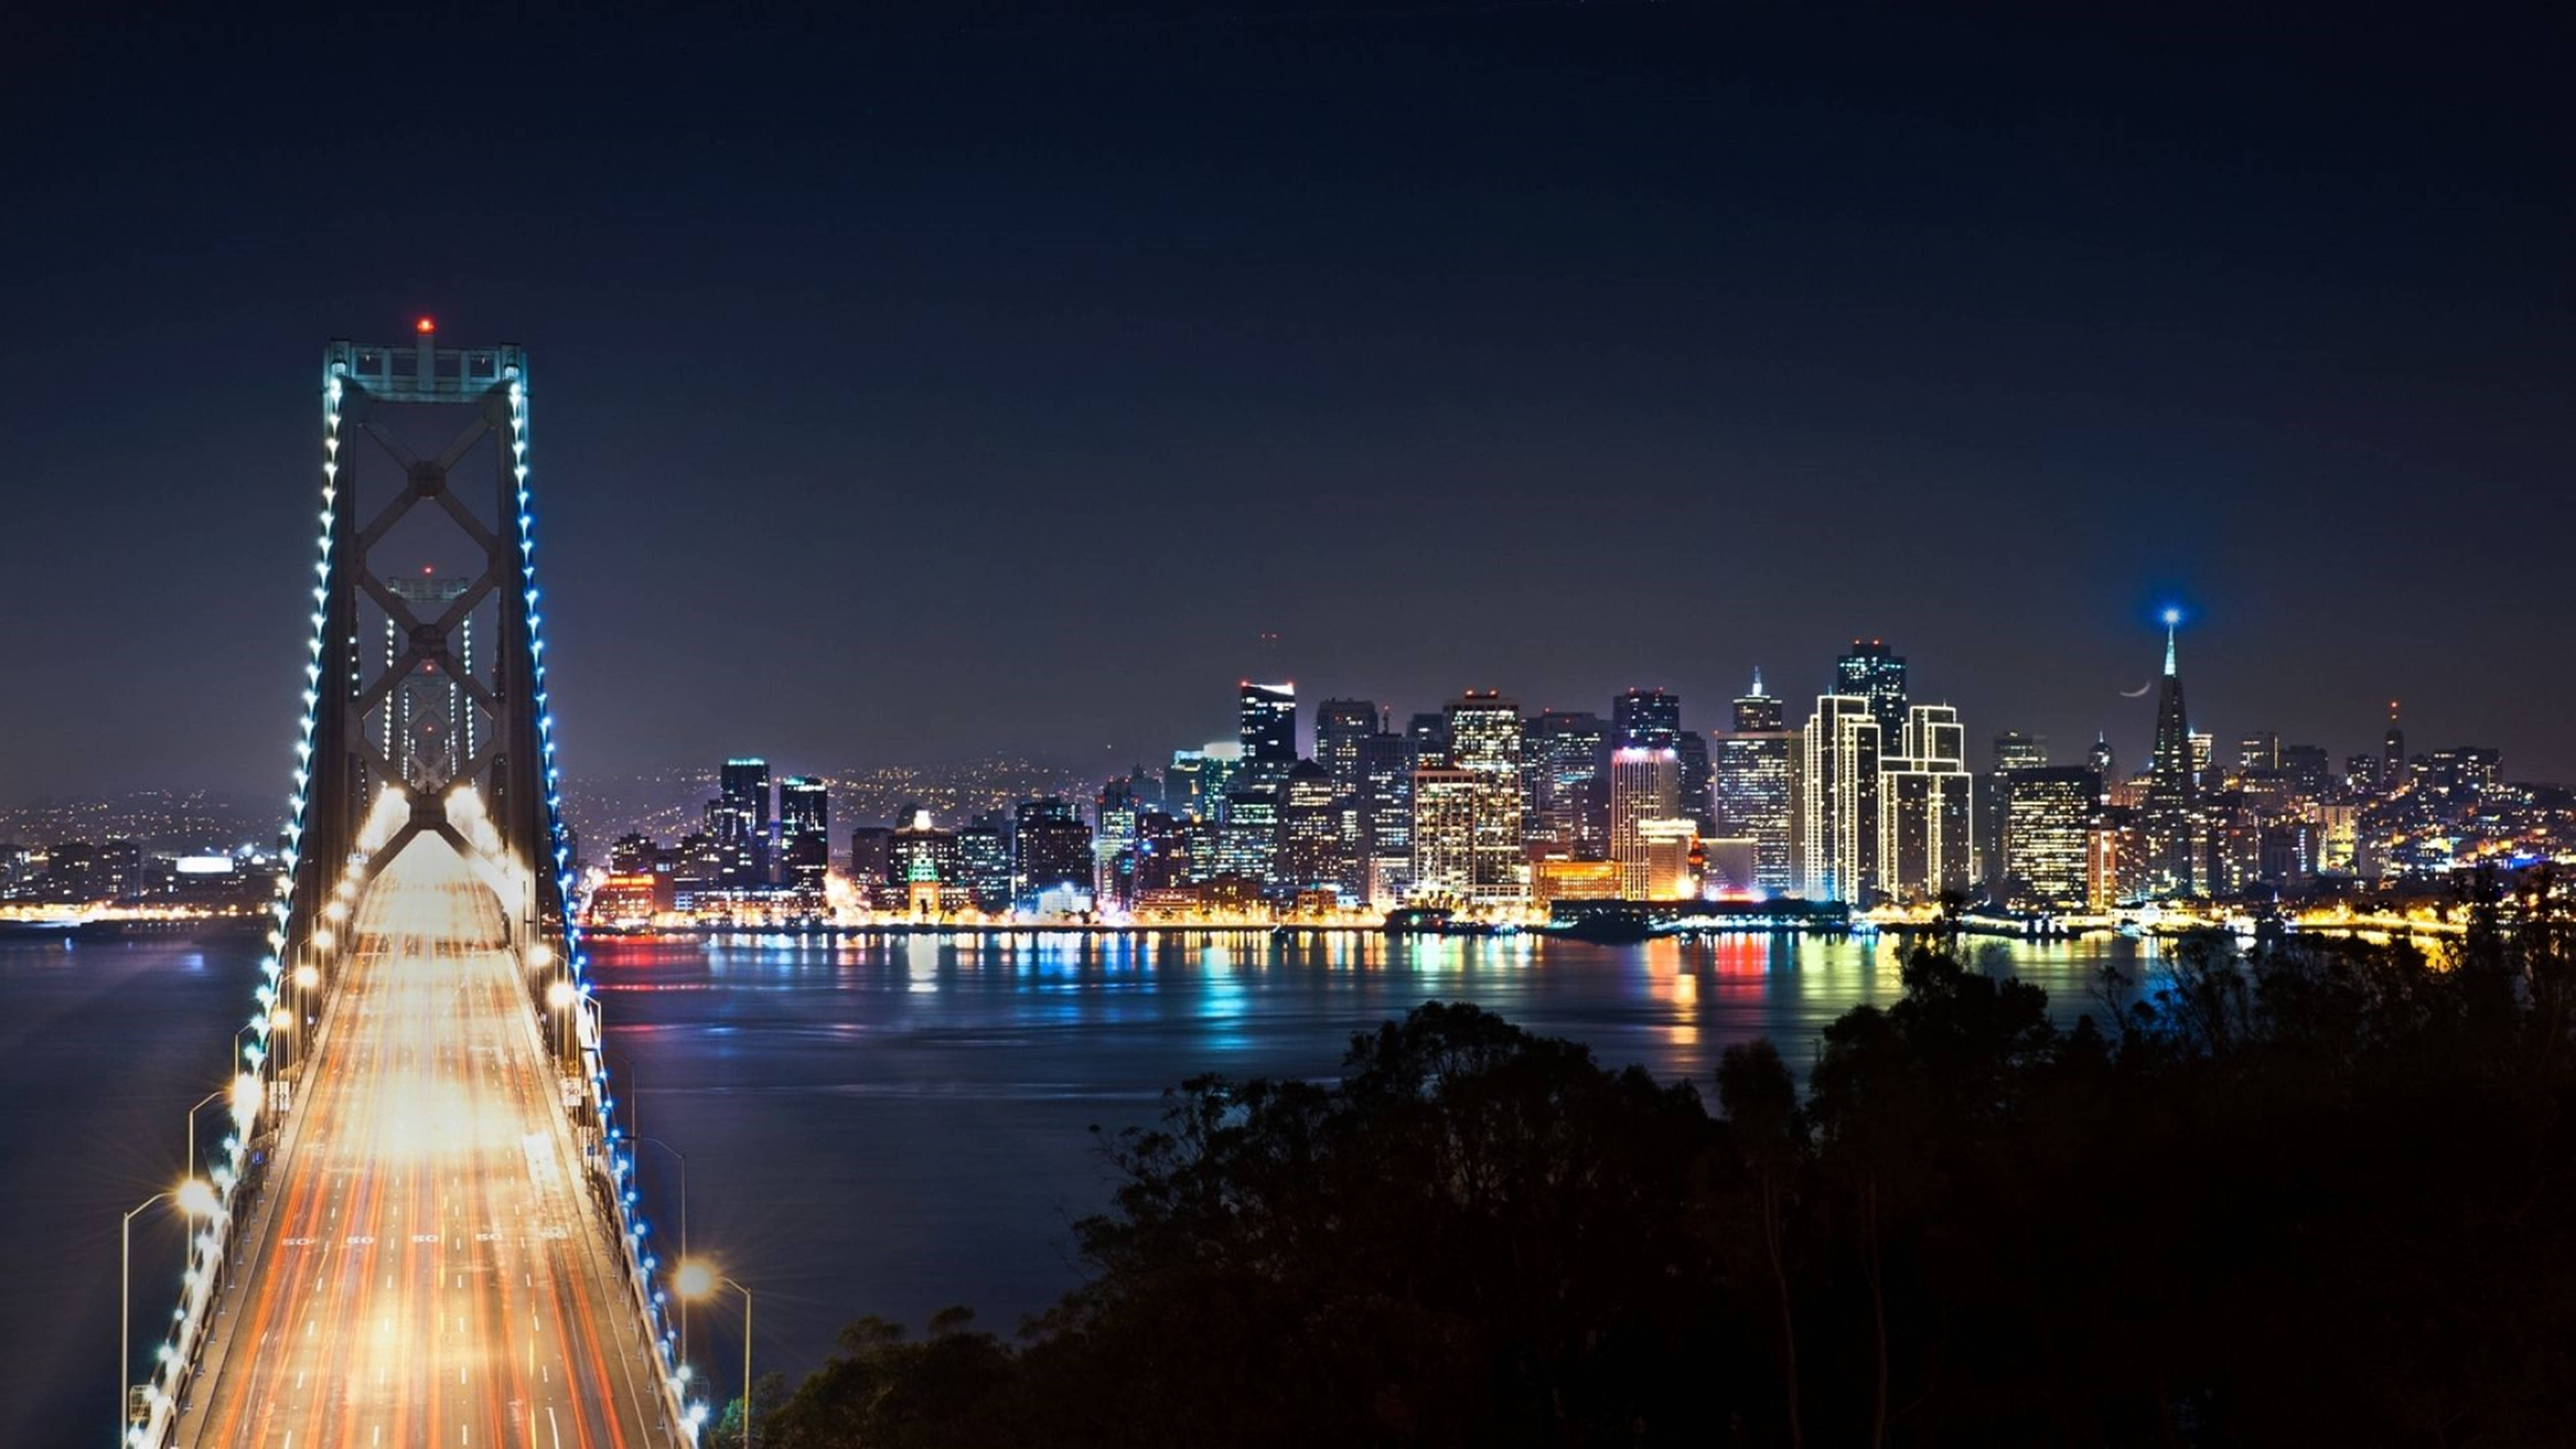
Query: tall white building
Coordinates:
[1645,785]
[1927,801]
[1444,835]
[1838,804]
[1485,743]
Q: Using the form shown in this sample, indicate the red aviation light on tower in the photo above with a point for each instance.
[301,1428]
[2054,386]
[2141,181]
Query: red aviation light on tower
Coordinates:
[425,326]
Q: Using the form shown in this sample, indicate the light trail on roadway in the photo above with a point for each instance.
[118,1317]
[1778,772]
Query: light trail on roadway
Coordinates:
[432,1268]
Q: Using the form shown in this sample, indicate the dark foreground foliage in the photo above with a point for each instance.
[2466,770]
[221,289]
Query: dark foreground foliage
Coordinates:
[2320,1194]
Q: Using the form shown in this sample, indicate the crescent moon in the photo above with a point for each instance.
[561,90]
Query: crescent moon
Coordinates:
[2138,693]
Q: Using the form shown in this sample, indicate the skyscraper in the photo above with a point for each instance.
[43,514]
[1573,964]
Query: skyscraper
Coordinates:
[2169,816]
[1926,844]
[1312,853]
[1340,726]
[1485,741]
[2048,822]
[1386,809]
[2392,754]
[1755,788]
[804,821]
[1050,849]
[1645,785]
[1268,725]
[738,823]
[1838,785]
[1874,673]
[1564,752]
[1445,810]
[1756,710]
[1646,719]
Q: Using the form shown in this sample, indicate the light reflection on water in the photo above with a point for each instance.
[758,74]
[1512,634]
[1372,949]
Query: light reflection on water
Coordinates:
[886,1125]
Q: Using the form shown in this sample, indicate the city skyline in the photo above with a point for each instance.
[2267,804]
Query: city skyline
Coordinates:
[1555,351]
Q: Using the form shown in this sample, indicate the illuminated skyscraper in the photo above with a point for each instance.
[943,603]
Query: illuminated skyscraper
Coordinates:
[1312,852]
[2104,763]
[1050,850]
[1648,719]
[1645,785]
[804,822]
[2393,773]
[1268,724]
[1485,742]
[1564,753]
[1838,785]
[2169,816]
[1445,811]
[1340,726]
[738,824]
[1874,673]
[2048,825]
[1755,788]
[1386,806]
[1926,845]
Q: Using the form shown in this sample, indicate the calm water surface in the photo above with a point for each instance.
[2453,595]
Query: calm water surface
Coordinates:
[884,1126]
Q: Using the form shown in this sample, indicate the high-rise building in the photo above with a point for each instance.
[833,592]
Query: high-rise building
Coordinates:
[1268,724]
[1873,672]
[1563,753]
[1051,851]
[1312,853]
[984,860]
[1754,789]
[2169,815]
[1645,785]
[2104,763]
[1647,719]
[2393,774]
[1247,835]
[1446,806]
[1386,806]
[1757,711]
[1426,739]
[1926,842]
[1340,726]
[2258,753]
[1485,741]
[1666,846]
[2048,823]
[737,821]
[1838,807]
[804,824]
[1113,835]
[2013,751]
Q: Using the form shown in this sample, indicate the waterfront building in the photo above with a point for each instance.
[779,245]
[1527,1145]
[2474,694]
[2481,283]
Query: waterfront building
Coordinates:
[1838,806]
[1645,784]
[1485,741]
[1247,836]
[1051,850]
[1754,788]
[984,864]
[1312,852]
[805,838]
[2048,827]
[1386,798]
[1666,847]
[1445,808]
[1927,844]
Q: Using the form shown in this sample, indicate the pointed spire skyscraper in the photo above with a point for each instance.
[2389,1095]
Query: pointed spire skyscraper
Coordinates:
[2169,815]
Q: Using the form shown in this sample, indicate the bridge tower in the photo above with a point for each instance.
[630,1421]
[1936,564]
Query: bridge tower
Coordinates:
[424,674]
[425,470]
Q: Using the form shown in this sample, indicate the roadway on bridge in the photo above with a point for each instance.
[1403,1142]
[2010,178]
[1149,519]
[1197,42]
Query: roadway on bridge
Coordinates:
[432,1269]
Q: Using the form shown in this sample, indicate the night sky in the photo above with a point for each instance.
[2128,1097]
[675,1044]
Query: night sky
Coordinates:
[971,379]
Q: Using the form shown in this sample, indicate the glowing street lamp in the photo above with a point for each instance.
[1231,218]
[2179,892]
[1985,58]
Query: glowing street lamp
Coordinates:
[197,1200]
[698,1280]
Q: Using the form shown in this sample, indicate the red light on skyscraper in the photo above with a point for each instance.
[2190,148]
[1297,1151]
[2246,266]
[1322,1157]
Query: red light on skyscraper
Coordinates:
[424,326]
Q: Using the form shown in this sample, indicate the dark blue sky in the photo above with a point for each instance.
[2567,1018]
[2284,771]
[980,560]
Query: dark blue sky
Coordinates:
[960,379]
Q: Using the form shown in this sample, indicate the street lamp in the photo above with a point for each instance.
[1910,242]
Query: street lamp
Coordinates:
[197,1200]
[682,1158]
[560,997]
[218,1093]
[698,1280]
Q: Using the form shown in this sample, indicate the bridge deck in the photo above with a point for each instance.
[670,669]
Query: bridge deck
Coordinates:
[430,1267]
